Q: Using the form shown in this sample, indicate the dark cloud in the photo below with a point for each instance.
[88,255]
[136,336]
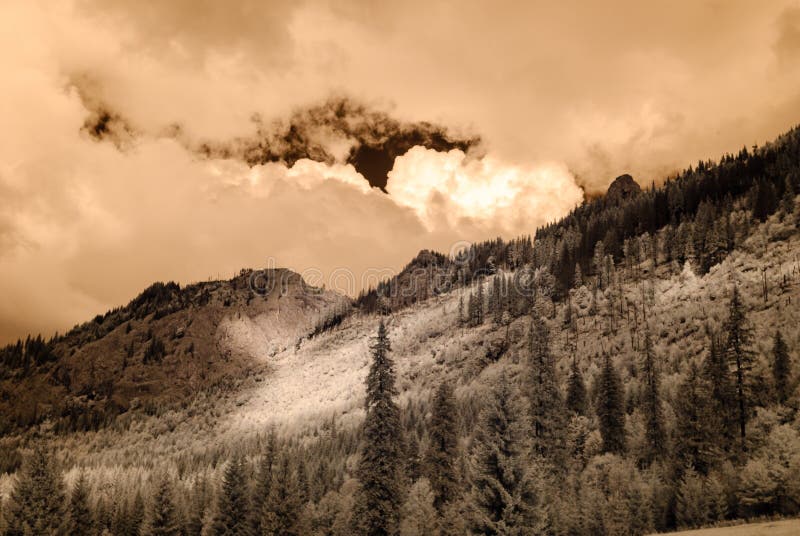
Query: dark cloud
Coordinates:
[103,124]
[340,130]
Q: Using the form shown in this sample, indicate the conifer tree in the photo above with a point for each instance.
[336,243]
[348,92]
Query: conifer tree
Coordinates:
[472,311]
[547,413]
[134,524]
[233,507]
[576,390]
[36,505]
[163,519]
[442,454]
[696,424]
[281,511]
[80,519]
[302,481]
[265,471]
[497,300]
[479,304]
[781,368]
[655,436]
[380,497]
[197,509]
[722,397]
[610,408]
[741,358]
[504,497]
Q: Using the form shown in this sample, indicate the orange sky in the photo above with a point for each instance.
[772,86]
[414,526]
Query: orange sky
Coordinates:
[560,93]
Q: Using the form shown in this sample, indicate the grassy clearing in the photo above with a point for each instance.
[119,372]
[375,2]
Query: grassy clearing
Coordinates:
[789,527]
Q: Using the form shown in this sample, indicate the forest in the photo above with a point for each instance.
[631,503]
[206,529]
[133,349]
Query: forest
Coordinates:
[597,406]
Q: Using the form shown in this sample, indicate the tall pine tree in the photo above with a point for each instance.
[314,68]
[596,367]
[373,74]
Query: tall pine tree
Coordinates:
[233,506]
[610,408]
[722,396]
[264,479]
[740,357]
[37,501]
[163,520]
[80,519]
[442,454]
[548,418]
[576,390]
[655,436]
[379,499]
[281,511]
[696,423]
[505,498]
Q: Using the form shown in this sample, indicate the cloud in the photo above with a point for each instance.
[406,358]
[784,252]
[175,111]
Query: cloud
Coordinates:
[444,189]
[551,89]
[338,130]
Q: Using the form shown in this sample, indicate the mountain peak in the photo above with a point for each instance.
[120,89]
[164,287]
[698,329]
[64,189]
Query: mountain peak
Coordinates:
[623,187]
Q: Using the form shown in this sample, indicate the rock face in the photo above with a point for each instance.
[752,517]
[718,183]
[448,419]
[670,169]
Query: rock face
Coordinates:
[623,187]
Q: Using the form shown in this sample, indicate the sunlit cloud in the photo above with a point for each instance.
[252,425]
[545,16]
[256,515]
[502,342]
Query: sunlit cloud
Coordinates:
[446,188]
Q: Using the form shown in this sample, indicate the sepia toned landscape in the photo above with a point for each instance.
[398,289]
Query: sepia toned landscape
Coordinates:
[258,279]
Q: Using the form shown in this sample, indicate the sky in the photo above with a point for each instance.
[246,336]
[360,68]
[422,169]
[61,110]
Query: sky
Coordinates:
[183,140]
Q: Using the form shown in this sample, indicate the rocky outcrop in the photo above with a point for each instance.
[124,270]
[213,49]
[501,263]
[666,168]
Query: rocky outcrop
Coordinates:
[622,189]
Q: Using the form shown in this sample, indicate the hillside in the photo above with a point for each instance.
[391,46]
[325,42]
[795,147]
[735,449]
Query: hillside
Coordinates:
[636,286]
[159,350]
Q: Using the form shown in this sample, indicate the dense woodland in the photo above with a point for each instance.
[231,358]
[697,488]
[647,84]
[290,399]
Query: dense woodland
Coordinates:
[537,451]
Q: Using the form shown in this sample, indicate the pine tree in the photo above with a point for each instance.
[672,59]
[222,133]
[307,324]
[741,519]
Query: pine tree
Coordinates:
[37,501]
[655,436]
[479,304]
[264,480]
[576,390]
[442,453]
[472,311]
[233,507]
[504,498]
[197,509]
[132,524]
[781,368]
[265,476]
[722,396]
[163,519]
[548,418]
[380,496]
[497,300]
[696,425]
[80,519]
[741,357]
[281,511]
[610,408]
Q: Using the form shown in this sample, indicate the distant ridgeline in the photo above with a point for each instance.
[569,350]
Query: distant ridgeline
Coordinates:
[693,208]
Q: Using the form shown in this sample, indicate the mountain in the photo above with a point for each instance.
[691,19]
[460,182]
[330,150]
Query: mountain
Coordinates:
[620,316]
[158,351]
